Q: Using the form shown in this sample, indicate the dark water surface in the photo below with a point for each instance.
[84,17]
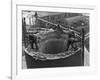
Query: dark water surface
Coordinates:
[54,47]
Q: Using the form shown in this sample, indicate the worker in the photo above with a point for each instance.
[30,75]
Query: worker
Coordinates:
[33,41]
[71,41]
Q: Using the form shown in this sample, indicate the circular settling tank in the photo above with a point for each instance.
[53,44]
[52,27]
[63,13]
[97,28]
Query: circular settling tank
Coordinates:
[53,43]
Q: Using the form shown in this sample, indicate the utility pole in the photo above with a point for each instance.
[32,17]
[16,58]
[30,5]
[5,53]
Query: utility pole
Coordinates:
[36,16]
[82,44]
